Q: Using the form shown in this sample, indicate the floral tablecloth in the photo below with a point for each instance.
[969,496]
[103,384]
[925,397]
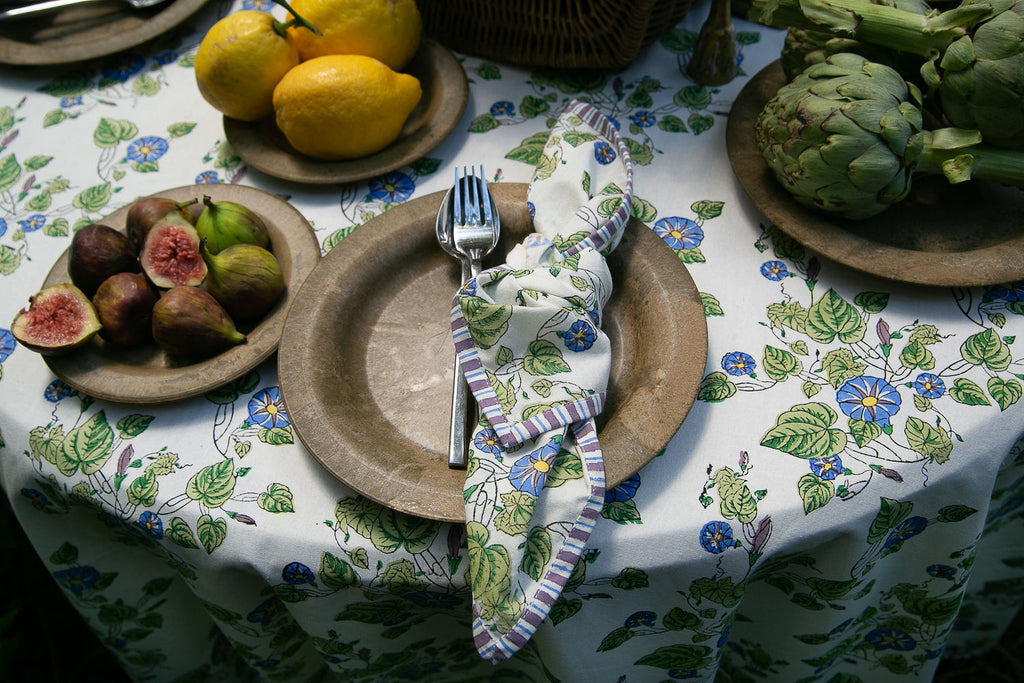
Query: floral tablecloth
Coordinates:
[843,503]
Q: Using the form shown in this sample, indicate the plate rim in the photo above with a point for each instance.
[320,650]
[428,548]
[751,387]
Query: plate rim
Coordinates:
[827,235]
[265,336]
[176,12]
[295,167]
[317,428]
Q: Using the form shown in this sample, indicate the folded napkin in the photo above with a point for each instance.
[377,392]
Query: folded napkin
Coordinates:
[528,335]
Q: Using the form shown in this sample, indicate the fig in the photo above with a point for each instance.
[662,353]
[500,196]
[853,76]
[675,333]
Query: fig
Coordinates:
[225,223]
[147,212]
[124,304]
[58,319]
[188,321]
[245,279]
[170,256]
[97,252]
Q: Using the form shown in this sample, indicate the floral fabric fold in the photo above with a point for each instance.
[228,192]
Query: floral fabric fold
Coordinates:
[529,339]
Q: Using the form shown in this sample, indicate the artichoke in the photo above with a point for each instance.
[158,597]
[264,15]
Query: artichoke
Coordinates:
[846,135]
[971,55]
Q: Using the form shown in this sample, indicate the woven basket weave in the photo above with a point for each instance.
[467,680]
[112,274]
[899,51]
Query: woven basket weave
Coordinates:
[592,34]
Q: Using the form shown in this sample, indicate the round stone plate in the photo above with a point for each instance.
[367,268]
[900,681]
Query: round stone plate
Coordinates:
[145,374]
[262,145]
[77,33]
[947,235]
[366,360]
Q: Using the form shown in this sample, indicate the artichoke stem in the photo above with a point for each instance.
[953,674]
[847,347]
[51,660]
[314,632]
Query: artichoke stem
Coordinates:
[977,162]
[714,56]
[882,25]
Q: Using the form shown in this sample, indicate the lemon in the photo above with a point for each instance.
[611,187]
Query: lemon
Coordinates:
[343,106]
[388,30]
[239,62]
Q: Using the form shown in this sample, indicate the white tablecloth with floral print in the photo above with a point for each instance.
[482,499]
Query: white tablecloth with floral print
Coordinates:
[843,503]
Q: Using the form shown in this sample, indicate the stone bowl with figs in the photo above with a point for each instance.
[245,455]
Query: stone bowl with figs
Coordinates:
[172,295]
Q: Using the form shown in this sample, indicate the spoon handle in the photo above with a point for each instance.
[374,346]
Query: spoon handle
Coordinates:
[40,8]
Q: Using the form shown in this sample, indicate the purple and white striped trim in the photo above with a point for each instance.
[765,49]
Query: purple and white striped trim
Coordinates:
[497,648]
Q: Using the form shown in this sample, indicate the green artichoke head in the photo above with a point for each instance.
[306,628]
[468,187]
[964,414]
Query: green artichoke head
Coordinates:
[982,77]
[842,136]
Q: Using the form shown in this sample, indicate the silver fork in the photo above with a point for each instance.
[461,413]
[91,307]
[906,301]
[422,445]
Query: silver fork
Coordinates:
[54,5]
[468,227]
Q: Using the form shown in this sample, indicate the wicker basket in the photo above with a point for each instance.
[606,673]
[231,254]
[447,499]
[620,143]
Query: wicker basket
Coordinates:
[592,34]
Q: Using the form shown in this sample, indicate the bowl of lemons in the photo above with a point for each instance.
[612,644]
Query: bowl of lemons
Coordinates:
[338,91]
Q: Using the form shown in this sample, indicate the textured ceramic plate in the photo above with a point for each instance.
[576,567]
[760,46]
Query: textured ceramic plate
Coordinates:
[262,145]
[948,235]
[366,360]
[145,374]
[75,34]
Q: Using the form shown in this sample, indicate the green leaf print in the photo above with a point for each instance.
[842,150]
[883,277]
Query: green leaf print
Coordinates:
[988,349]
[805,431]
[564,609]
[132,425]
[631,578]
[712,306]
[780,363]
[213,485]
[682,657]
[706,209]
[735,499]
[693,97]
[672,124]
[486,322]
[1006,392]
[180,532]
[93,199]
[143,490]
[517,510]
[615,639]
[335,573]
[955,513]
[531,106]
[212,532]
[358,513]
[828,589]
[677,619]
[791,315]
[394,530]
[10,259]
[180,129]
[832,317]
[46,444]
[537,552]
[575,138]
[379,612]
[815,492]
[928,440]
[10,171]
[643,210]
[872,302]
[87,446]
[641,154]
[567,466]
[67,86]
[720,590]
[53,117]
[277,498]
[968,392]
[530,150]
[864,432]
[109,132]
[700,122]
[917,355]
[544,358]
[489,565]
[716,387]
[399,578]
[890,514]
[488,71]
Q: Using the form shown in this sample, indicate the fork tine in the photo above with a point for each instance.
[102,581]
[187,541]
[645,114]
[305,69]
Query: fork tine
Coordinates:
[457,216]
[485,197]
[473,205]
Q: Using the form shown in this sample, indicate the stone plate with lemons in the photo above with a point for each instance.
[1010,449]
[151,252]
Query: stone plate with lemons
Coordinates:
[339,91]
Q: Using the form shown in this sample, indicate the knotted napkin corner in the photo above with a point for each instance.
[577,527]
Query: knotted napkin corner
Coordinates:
[529,340]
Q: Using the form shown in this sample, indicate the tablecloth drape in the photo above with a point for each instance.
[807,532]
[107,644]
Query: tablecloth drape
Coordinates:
[843,503]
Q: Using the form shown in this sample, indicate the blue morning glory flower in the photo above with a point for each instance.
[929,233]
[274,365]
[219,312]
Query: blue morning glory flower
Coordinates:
[643,618]
[870,399]
[890,639]
[124,69]
[906,529]
[827,468]
[929,385]
[297,573]
[77,579]
[716,536]
[68,102]
[7,344]
[503,108]
[151,523]
[644,119]
[774,270]
[207,178]
[623,491]
[57,390]
[604,153]
[580,337]
[487,441]
[392,187]
[149,148]
[33,222]
[678,232]
[738,363]
[266,409]
[529,472]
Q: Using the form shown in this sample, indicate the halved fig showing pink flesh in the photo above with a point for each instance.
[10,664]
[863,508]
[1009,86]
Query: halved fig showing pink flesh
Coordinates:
[171,257]
[58,319]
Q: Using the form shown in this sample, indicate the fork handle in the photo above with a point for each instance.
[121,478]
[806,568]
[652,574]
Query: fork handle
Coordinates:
[457,442]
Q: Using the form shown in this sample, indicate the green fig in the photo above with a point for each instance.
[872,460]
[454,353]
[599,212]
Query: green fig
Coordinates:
[246,279]
[188,321]
[225,223]
[98,251]
[124,304]
[170,256]
[58,319]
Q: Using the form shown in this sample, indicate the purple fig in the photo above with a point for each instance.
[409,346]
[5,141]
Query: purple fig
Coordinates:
[188,321]
[147,212]
[225,223]
[170,256]
[58,319]
[97,252]
[124,304]
[245,279]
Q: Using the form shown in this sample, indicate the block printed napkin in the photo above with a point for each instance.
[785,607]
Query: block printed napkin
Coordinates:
[528,335]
